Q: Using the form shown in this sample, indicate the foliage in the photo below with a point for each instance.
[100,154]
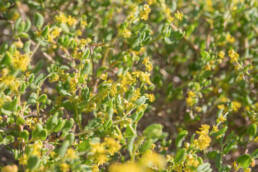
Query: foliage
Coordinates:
[83,82]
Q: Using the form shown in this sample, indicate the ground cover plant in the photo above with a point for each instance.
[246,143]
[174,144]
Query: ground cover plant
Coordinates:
[128,85]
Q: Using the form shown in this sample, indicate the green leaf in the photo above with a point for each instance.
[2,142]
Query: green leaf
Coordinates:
[153,131]
[70,137]
[39,20]
[59,125]
[146,145]
[180,155]
[244,161]
[84,145]
[204,168]
[62,150]
[252,129]
[27,25]
[131,145]
[42,98]
[33,162]
[17,25]
[141,100]
[68,125]
[25,135]
[255,154]
[180,138]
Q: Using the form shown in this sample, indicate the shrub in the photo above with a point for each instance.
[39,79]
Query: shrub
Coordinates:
[128,85]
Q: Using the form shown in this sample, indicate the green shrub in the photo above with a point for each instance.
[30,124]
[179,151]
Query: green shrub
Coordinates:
[128,85]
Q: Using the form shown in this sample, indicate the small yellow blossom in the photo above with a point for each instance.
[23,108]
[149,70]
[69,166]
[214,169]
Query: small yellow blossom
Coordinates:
[150,2]
[10,81]
[168,15]
[221,107]
[98,148]
[101,159]
[71,154]
[229,38]
[153,160]
[247,170]
[112,145]
[53,34]
[151,97]
[190,100]
[10,168]
[236,106]
[192,161]
[71,21]
[221,119]
[147,63]
[126,167]
[19,44]
[215,129]
[64,19]
[179,15]
[204,139]
[233,56]
[23,159]
[256,139]
[145,12]
[64,167]
[221,54]
[126,33]
[95,168]
[84,23]
[224,99]
[36,147]
[20,61]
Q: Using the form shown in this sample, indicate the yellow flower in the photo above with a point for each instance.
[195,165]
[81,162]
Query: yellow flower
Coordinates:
[71,21]
[221,54]
[84,23]
[10,168]
[71,154]
[236,106]
[112,145]
[168,15]
[151,97]
[61,18]
[150,2]
[256,139]
[10,81]
[190,100]
[224,99]
[20,61]
[98,148]
[126,33]
[19,44]
[203,140]
[53,34]
[36,147]
[64,167]
[247,170]
[101,159]
[191,161]
[145,12]
[179,16]
[221,107]
[215,129]
[229,38]
[153,160]
[233,56]
[95,168]
[126,167]
[221,119]
[147,63]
